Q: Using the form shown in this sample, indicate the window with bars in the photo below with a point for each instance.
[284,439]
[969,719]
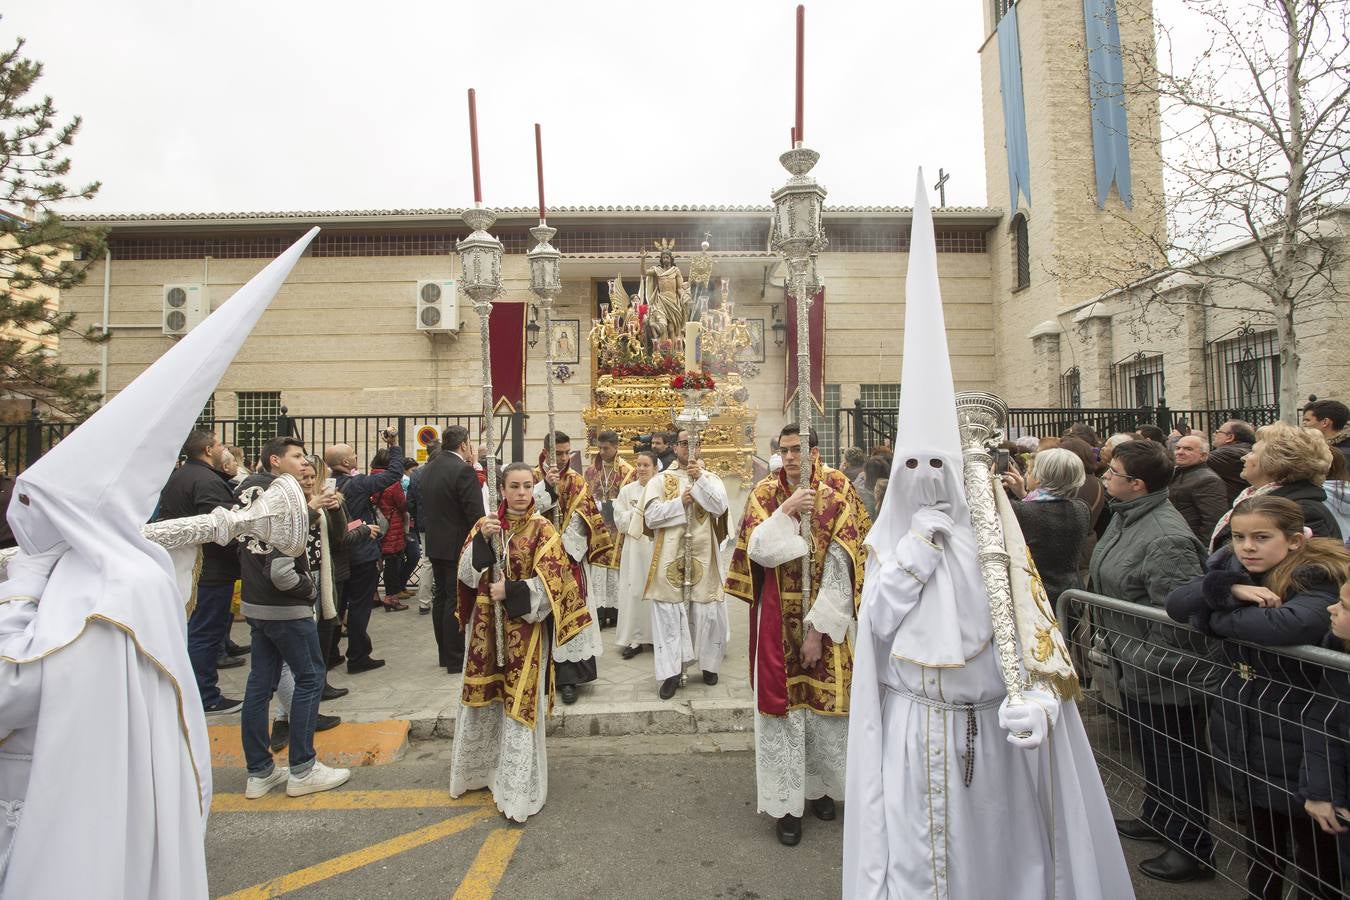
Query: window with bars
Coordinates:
[1021,253]
[826,433]
[208,417]
[257,419]
[1071,389]
[1243,369]
[1137,380]
[1001,8]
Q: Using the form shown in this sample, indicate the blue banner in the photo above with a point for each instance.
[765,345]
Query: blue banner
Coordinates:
[1106,82]
[1014,110]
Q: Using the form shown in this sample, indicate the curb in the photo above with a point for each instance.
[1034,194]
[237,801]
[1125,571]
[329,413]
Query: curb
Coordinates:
[711,716]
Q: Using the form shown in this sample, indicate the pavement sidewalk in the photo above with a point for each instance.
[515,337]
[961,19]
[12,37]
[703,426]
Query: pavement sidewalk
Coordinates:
[622,701]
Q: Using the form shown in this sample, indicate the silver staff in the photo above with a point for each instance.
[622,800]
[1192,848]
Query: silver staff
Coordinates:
[799,237]
[546,282]
[480,257]
[980,417]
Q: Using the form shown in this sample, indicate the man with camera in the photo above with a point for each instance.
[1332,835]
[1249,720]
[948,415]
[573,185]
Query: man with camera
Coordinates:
[359,592]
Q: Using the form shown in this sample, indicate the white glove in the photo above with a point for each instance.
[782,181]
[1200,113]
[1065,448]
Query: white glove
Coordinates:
[1028,722]
[929,521]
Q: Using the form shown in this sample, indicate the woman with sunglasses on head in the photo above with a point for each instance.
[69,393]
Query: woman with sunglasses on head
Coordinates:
[1270,585]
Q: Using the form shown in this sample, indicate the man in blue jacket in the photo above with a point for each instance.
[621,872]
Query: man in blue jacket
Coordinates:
[359,592]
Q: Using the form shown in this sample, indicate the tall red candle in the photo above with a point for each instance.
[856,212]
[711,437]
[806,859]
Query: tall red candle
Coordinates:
[473,148]
[801,57]
[539,164]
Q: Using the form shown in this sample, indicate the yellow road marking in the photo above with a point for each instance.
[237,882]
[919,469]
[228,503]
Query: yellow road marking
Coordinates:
[363,857]
[489,865]
[277,801]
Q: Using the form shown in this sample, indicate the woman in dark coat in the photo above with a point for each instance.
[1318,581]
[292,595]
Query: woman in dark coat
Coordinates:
[392,503]
[1271,586]
[1292,463]
[1054,522]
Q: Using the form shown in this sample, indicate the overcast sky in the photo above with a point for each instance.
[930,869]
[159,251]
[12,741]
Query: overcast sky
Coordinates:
[300,105]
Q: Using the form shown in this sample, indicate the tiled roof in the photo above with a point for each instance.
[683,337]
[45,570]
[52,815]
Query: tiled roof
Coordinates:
[508,212]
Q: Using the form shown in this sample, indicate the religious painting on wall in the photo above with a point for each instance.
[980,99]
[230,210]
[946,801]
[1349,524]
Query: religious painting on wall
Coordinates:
[566,343]
[755,351]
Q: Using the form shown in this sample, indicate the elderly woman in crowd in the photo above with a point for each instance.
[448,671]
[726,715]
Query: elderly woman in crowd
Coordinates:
[1288,462]
[1054,521]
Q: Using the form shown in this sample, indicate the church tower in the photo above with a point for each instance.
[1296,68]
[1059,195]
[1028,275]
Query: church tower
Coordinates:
[1075,165]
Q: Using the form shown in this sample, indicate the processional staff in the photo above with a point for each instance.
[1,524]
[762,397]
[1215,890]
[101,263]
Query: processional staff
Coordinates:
[480,257]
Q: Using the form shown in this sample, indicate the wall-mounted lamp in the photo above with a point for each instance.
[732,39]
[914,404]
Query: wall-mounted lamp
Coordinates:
[779,329]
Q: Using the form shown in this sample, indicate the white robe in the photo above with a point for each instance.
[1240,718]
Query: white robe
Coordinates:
[491,749]
[698,630]
[635,614]
[803,755]
[1032,824]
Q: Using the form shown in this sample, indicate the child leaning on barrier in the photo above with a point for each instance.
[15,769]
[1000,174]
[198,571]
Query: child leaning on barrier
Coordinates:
[1324,782]
[1271,585]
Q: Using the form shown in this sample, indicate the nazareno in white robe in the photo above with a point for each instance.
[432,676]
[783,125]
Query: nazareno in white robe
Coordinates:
[105,765]
[1032,824]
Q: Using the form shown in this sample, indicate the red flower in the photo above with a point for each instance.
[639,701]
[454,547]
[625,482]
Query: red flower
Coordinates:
[677,382]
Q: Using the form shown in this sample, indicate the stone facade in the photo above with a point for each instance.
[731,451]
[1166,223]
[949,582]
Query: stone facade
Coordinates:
[340,338]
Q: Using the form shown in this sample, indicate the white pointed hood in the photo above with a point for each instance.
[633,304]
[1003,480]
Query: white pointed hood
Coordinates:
[951,622]
[84,502]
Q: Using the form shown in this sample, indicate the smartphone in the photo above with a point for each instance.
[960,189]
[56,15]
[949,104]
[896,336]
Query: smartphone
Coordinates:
[330,484]
[1002,460]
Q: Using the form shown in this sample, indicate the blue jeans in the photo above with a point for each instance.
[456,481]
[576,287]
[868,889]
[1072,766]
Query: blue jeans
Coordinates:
[295,642]
[207,628]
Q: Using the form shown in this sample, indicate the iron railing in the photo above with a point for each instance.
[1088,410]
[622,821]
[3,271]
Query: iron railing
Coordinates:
[1201,748]
[23,444]
[868,426]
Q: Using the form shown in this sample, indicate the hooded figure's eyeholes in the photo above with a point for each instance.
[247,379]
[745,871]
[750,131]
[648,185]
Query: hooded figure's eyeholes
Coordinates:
[911,464]
[935,463]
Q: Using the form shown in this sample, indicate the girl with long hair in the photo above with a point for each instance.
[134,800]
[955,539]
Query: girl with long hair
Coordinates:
[1271,584]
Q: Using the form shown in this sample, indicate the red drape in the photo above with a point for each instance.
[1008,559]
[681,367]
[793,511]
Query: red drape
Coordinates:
[816,325]
[507,326]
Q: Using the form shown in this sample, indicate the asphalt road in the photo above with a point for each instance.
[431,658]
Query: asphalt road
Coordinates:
[644,816]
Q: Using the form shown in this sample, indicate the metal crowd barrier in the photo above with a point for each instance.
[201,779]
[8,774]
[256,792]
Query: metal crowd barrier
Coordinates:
[1198,744]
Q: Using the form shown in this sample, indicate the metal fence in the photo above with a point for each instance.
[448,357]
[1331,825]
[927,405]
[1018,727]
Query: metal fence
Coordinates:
[868,426]
[1206,743]
[22,444]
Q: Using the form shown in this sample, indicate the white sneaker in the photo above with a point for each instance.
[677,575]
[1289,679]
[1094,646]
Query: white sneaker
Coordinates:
[318,778]
[258,787]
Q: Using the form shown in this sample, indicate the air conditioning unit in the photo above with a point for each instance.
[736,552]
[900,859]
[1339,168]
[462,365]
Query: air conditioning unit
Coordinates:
[438,307]
[184,307]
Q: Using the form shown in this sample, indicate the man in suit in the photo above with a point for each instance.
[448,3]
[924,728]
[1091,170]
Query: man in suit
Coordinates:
[450,502]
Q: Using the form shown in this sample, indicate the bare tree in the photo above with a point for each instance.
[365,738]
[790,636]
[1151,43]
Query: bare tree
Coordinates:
[1254,132]
[40,255]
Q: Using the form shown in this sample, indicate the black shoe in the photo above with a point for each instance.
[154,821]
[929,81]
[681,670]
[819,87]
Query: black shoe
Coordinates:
[789,830]
[234,649]
[281,734]
[333,693]
[326,722]
[1173,865]
[709,678]
[823,808]
[455,669]
[424,610]
[630,652]
[568,692]
[357,666]
[225,661]
[223,706]
[336,661]
[668,687]
[1137,830]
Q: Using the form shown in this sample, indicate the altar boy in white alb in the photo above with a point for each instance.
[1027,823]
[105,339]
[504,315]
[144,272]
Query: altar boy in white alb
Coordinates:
[686,503]
[955,791]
